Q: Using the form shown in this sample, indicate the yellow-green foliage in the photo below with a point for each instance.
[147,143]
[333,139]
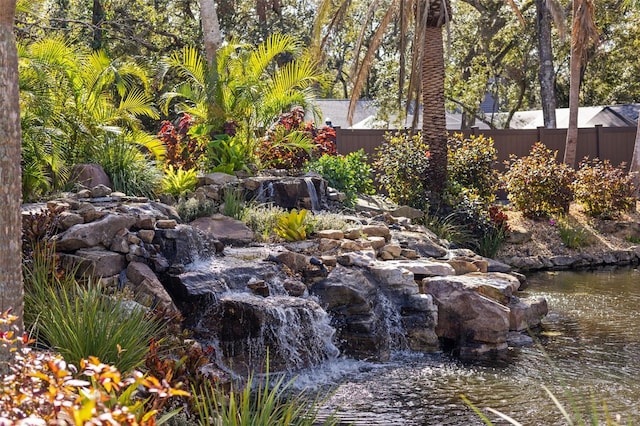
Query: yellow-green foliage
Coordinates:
[291,226]
[43,389]
[177,181]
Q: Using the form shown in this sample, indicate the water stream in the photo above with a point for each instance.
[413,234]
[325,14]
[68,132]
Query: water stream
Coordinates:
[588,353]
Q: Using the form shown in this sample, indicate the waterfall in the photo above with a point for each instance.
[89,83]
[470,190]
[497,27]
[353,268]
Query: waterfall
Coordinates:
[393,323]
[293,332]
[313,194]
[265,192]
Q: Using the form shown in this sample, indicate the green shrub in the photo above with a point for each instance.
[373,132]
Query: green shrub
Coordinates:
[129,169]
[604,190]
[178,182]
[191,208]
[401,167]
[537,184]
[80,322]
[350,174]
[471,165]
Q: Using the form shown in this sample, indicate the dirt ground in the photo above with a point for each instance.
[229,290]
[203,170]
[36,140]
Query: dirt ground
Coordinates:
[600,235]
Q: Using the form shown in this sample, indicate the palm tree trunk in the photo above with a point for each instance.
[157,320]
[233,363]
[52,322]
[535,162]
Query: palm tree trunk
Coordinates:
[11,290]
[434,126]
[96,20]
[571,143]
[546,73]
[210,29]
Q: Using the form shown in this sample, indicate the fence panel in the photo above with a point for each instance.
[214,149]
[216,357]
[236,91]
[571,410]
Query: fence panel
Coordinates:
[612,143]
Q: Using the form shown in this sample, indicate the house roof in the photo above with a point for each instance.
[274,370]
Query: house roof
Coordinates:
[607,116]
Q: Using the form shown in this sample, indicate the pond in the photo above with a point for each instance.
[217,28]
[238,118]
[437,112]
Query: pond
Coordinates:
[587,355]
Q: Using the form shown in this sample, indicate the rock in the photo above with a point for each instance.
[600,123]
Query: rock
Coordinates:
[409,254]
[562,262]
[217,178]
[83,193]
[184,244]
[100,191]
[355,245]
[146,235]
[292,332]
[396,278]
[462,267]
[328,245]
[332,234]
[518,235]
[295,261]
[225,229]
[329,261]
[475,323]
[94,263]
[349,297]
[147,289]
[393,250]
[408,212]
[377,242]
[526,314]
[421,268]
[89,175]
[295,288]
[376,231]
[90,214]
[425,244]
[146,221]
[166,224]
[67,219]
[258,287]
[98,233]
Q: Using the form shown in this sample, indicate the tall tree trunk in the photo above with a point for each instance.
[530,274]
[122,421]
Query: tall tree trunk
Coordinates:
[546,73]
[634,168]
[11,290]
[96,20]
[210,30]
[434,126]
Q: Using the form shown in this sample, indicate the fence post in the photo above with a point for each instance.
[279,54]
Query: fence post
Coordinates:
[598,135]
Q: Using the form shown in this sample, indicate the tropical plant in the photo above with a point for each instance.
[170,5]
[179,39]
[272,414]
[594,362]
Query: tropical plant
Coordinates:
[291,226]
[246,91]
[262,219]
[178,182]
[604,190]
[73,102]
[572,235]
[350,173]
[184,149]
[537,184]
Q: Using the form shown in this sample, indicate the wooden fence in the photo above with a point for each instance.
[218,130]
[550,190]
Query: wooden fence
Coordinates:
[612,143]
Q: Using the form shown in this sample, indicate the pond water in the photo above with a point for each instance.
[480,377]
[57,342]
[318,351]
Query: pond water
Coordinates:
[587,355]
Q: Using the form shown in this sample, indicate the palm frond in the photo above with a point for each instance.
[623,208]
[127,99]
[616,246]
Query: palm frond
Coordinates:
[138,103]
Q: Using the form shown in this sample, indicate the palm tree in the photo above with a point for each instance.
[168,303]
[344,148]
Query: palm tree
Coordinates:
[11,289]
[434,130]
[583,35]
[72,100]
[248,87]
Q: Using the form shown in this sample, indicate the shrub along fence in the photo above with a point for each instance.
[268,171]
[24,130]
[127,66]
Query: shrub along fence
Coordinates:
[611,143]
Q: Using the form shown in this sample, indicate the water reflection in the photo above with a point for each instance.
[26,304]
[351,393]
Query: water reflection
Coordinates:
[588,353]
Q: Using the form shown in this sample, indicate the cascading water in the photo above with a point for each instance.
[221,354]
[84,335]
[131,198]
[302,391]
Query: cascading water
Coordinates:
[265,192]
[246,329]
[314,199]
[393,323]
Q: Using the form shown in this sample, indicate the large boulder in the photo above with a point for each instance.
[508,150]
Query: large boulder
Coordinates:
[474,323]
[89,175]
[98,233]
[292,332]
[226,229]
[147,289]
[351,299]
[94,262]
